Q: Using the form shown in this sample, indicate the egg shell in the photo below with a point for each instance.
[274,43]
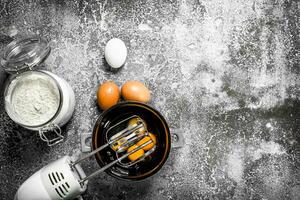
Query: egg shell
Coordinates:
[108,95]
[135,91]
[115,53]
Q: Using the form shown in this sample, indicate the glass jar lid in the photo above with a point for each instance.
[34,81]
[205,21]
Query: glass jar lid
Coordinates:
[23,54]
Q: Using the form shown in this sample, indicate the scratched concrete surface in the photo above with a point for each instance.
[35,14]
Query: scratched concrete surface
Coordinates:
[225,72]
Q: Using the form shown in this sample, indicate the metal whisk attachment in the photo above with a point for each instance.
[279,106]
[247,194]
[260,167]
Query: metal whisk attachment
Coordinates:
[121,137]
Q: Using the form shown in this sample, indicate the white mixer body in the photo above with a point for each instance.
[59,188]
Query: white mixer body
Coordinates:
[55,181]
[32,189]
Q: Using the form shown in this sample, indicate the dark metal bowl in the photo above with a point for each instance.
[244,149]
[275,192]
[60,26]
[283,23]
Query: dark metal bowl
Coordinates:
[155,124]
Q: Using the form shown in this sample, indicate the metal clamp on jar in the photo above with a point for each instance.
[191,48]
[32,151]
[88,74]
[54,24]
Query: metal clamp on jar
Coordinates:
[35,99]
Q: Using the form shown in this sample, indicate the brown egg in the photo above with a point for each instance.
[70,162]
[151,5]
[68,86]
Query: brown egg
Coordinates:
[108,95]
[135,91]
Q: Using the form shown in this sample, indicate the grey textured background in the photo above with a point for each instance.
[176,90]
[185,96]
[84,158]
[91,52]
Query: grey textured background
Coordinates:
[225,72]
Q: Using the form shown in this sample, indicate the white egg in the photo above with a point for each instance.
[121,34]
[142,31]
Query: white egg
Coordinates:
[115,53]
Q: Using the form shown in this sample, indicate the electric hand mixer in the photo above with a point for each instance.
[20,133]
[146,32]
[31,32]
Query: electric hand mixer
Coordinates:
[65,179]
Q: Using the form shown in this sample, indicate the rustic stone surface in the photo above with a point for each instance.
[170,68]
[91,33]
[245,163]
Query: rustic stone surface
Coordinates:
[225,72]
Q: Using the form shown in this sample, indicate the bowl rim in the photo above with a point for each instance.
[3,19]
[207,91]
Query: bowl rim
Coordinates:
[167,133]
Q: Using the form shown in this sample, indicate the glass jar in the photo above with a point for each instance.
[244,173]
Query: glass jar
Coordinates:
[38,100]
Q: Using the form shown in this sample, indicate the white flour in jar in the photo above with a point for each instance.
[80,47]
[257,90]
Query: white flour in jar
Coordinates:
[34,98]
